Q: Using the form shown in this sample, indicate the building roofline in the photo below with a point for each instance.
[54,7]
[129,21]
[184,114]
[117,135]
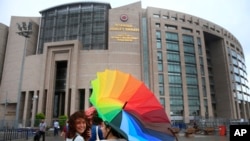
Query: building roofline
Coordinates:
[73,3]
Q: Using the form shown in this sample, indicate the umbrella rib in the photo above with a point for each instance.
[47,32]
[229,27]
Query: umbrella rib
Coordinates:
[124,104]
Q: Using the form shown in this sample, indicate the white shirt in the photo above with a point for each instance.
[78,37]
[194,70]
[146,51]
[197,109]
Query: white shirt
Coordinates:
[42,126]
[78,138]
[56,124]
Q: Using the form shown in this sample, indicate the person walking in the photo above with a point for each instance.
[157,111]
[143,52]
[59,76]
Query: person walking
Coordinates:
[65,130]
[56,127]
[42,129]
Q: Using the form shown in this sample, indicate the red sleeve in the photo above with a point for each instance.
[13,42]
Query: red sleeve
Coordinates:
[64,129]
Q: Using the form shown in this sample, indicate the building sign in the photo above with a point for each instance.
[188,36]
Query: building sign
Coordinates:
[124,37]
[124,17]
[124,27]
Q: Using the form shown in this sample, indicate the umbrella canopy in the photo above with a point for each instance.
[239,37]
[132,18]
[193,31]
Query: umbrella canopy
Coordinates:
[129,107]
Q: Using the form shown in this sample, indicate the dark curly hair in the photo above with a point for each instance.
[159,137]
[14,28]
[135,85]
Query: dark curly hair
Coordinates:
[72,125]
[113,131]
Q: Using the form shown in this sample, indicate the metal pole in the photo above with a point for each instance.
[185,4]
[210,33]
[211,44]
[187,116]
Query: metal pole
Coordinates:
[20,84]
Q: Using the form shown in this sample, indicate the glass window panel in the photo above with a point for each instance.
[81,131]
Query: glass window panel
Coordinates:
[174,79]
[188,39]
[171,36]
[161,90]
[158,43]
[174,67]
[161,78]
[159,55]
[193,91]
[158,34]
[177,102]
[199,44]
[188,48]
[191,80]
[172,46]
[191,69]
[190,59]
[173,56]
[160,66]
[162,101]
[202,70]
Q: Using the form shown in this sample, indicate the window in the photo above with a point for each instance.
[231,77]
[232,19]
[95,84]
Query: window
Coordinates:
[188,39]
[190,58]
[202,70]
[174,67]
[172,46]
[193,91]
[158,34]
[172,27]
[188,30]
[165,17]
[159,55]
[173,18]
[171,36]
[156,15]
[162,101]
[192,80]
[175,90]
[161,78]
[173,56]
[174,78]
[161,90]
[191,69]
[160,66]
[158,44]
[157,25]
[189,48]
[201,60]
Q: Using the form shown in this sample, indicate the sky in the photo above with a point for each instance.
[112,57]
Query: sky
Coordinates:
[233,15]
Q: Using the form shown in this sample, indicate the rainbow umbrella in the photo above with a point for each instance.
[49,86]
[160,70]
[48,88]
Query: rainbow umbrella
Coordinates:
[130,107]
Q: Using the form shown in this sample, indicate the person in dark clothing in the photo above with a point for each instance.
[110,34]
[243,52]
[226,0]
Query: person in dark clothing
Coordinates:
[95,121]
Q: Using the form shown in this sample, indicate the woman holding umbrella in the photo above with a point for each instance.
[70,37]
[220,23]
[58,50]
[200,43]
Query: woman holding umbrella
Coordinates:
[110,134]
[95,121]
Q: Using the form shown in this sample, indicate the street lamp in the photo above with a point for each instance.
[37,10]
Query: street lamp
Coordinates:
[24,29]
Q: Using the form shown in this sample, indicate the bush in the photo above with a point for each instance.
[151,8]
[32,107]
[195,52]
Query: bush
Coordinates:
[38,118]
[62,120]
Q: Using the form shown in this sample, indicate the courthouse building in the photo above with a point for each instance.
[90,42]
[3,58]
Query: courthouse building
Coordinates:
[195,67]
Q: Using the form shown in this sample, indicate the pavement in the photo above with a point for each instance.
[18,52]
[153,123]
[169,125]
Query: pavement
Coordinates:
[181,137]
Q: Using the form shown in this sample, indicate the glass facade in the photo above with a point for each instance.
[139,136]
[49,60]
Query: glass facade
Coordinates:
[174,74]
[239,76]
[87,22]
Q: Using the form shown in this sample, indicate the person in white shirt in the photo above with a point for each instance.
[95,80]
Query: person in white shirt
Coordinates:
[56,127]
[42,129]
[79,127]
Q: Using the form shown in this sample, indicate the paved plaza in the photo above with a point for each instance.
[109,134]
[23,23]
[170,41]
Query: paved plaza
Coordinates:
[181,137]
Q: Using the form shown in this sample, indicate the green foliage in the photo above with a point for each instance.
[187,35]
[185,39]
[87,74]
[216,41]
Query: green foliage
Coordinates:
[62,120]
[38,118]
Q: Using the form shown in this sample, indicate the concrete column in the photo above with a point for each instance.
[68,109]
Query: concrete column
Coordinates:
[34,103]
[25,110]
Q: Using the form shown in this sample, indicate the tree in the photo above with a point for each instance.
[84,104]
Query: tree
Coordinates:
[62,120]
[38,118]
